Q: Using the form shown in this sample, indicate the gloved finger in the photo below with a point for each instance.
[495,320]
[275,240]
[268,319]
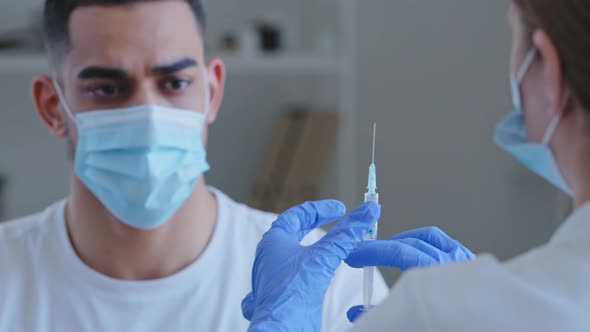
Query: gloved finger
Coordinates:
[248,306]
[470,255]
[302,219]
[432,235]
[391,253]
[425,247]
[455,255]
[345,236]
[355,313]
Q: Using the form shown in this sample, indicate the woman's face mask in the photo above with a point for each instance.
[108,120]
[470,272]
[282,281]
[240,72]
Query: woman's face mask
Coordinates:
[511,135]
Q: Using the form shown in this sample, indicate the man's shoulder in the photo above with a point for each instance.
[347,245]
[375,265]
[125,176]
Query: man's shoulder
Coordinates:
[16,233]
[244,216]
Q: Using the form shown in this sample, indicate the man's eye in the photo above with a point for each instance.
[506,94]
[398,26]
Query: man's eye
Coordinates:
[105,90]
[176,85]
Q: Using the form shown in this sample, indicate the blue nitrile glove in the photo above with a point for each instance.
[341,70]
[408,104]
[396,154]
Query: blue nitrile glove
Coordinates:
[289,280]
[417,248]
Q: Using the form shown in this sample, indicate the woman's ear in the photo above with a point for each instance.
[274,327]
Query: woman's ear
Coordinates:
[554,82]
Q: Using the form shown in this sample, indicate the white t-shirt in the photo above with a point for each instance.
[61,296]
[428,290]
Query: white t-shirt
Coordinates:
[45,287]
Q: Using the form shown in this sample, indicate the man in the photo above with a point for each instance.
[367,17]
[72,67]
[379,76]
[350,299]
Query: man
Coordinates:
[142,244]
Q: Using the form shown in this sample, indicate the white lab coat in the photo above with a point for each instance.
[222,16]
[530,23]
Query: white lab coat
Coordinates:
[545,289]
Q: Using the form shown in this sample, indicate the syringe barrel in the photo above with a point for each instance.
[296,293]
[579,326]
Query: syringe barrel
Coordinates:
[372,196]
[369,272]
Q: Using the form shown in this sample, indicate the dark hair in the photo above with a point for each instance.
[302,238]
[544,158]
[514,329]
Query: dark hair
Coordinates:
[56,17]
[567,22]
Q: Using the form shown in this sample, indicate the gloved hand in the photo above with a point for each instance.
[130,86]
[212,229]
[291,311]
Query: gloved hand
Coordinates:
[289,280]
[417,248]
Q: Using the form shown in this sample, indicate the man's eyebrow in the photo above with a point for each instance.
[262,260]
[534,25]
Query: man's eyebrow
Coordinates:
[94,72]
[174,67]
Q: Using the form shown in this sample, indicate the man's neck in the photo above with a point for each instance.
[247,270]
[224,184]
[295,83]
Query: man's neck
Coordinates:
[114,249]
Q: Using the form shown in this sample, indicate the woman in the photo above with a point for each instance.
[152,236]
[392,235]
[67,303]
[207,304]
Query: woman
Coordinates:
[545,289]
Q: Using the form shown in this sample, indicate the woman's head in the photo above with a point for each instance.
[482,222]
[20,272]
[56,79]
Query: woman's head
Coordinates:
[555,85]
[559,31]
[567,24]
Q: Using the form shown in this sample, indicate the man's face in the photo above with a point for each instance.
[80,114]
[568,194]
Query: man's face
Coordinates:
[145,53]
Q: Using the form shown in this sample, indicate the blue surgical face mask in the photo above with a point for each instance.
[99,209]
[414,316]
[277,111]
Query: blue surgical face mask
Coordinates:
[143,162]
[511,135]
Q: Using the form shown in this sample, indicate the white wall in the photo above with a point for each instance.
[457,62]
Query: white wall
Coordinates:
[33,160]
[17,14]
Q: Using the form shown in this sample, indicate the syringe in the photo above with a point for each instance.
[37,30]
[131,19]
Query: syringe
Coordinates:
[370,196]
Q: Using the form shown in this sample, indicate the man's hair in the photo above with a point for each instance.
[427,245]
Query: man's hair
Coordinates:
[56,17]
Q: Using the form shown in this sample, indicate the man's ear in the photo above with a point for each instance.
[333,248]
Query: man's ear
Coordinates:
[48,107]
[552,75]
[216,72]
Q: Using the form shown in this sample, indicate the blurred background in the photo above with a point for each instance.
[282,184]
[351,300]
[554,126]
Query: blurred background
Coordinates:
[306,81]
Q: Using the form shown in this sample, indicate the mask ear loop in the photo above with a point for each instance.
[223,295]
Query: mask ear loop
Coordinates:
[555,121]
[526,65]
[62,100]
[516,79]
[207,91]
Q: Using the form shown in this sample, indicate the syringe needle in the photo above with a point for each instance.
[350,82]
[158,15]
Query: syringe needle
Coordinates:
[374,134]
[371,195]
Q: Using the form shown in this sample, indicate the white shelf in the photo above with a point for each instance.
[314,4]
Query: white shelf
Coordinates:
[22,63]
[267,65]
[283,64]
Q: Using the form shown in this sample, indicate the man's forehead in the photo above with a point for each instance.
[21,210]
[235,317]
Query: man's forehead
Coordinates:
[143,34]
[144,18]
